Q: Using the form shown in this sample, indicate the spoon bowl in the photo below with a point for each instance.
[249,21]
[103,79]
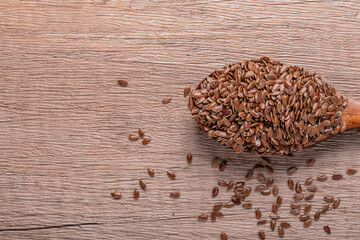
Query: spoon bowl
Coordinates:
[265,107]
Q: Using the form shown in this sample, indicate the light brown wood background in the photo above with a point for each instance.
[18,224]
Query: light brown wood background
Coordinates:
[64,121]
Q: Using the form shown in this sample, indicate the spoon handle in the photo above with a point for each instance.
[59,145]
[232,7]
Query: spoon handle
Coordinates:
[351,114]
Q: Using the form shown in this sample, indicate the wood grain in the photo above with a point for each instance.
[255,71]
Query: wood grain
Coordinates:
[65,121]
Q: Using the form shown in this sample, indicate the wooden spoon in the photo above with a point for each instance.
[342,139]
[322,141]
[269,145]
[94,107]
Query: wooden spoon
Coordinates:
[351,115]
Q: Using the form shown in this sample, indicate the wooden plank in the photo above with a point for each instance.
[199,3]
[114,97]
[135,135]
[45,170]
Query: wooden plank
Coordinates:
[64,120]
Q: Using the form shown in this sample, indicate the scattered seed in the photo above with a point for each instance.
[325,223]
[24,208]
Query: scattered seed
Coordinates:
[304,217]
[308,181]
[272,225]
[217,207]
[295,205]
[218,214]
[337,177]
[261,235]
[141,133]
[249,175]
[257,213]
[291,184]
[275,190]
[133,137]
[186,91]
[329,199]
[279,200]
[223,236]
[247,205]
[222,183]
[312,188]
[327,229]
[151,172]
[260,188]
[123,83]
[142,185]
[317,215]
[310,162]
[230,185]
[307,223]
[281,232]
[274,216]
[266,192]
[261,222]
[351,171]
[261,178]
[235,200]
[136,194]
[291,170]
[172,176]
[298,196]
[307,208]
[298,188]
[295,211]
[146,140]
[215,192]
[336,203]
[322,178]
[274,208]
[203,217]
[325,208]
[229,205]
[116,195]
[189,158]
[175,194]
[213,216]
[222,166]
[166,100]
[309,196]
[285,225]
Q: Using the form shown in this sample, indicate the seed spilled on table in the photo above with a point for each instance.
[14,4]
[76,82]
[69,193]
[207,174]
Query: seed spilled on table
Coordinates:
[123,83]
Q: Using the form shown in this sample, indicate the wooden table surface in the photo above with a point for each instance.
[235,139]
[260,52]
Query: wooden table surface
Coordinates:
[65,121]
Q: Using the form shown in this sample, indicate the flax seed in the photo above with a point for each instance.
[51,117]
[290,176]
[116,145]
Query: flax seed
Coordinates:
[136,194]
[123,83]
[257,213]
[309,197]
[151,172]
[223,236]
[337,177]
[203,217]
[189,158]
[222,166]
[351,171]
[133,137]
[141,133]
[291,170]
[281,232]
[166,100]
[272,225]
[322,178]
[146,140]
[171,175]
[310,162]
[142,185]
[175,194]
[327,229]
[116,195]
